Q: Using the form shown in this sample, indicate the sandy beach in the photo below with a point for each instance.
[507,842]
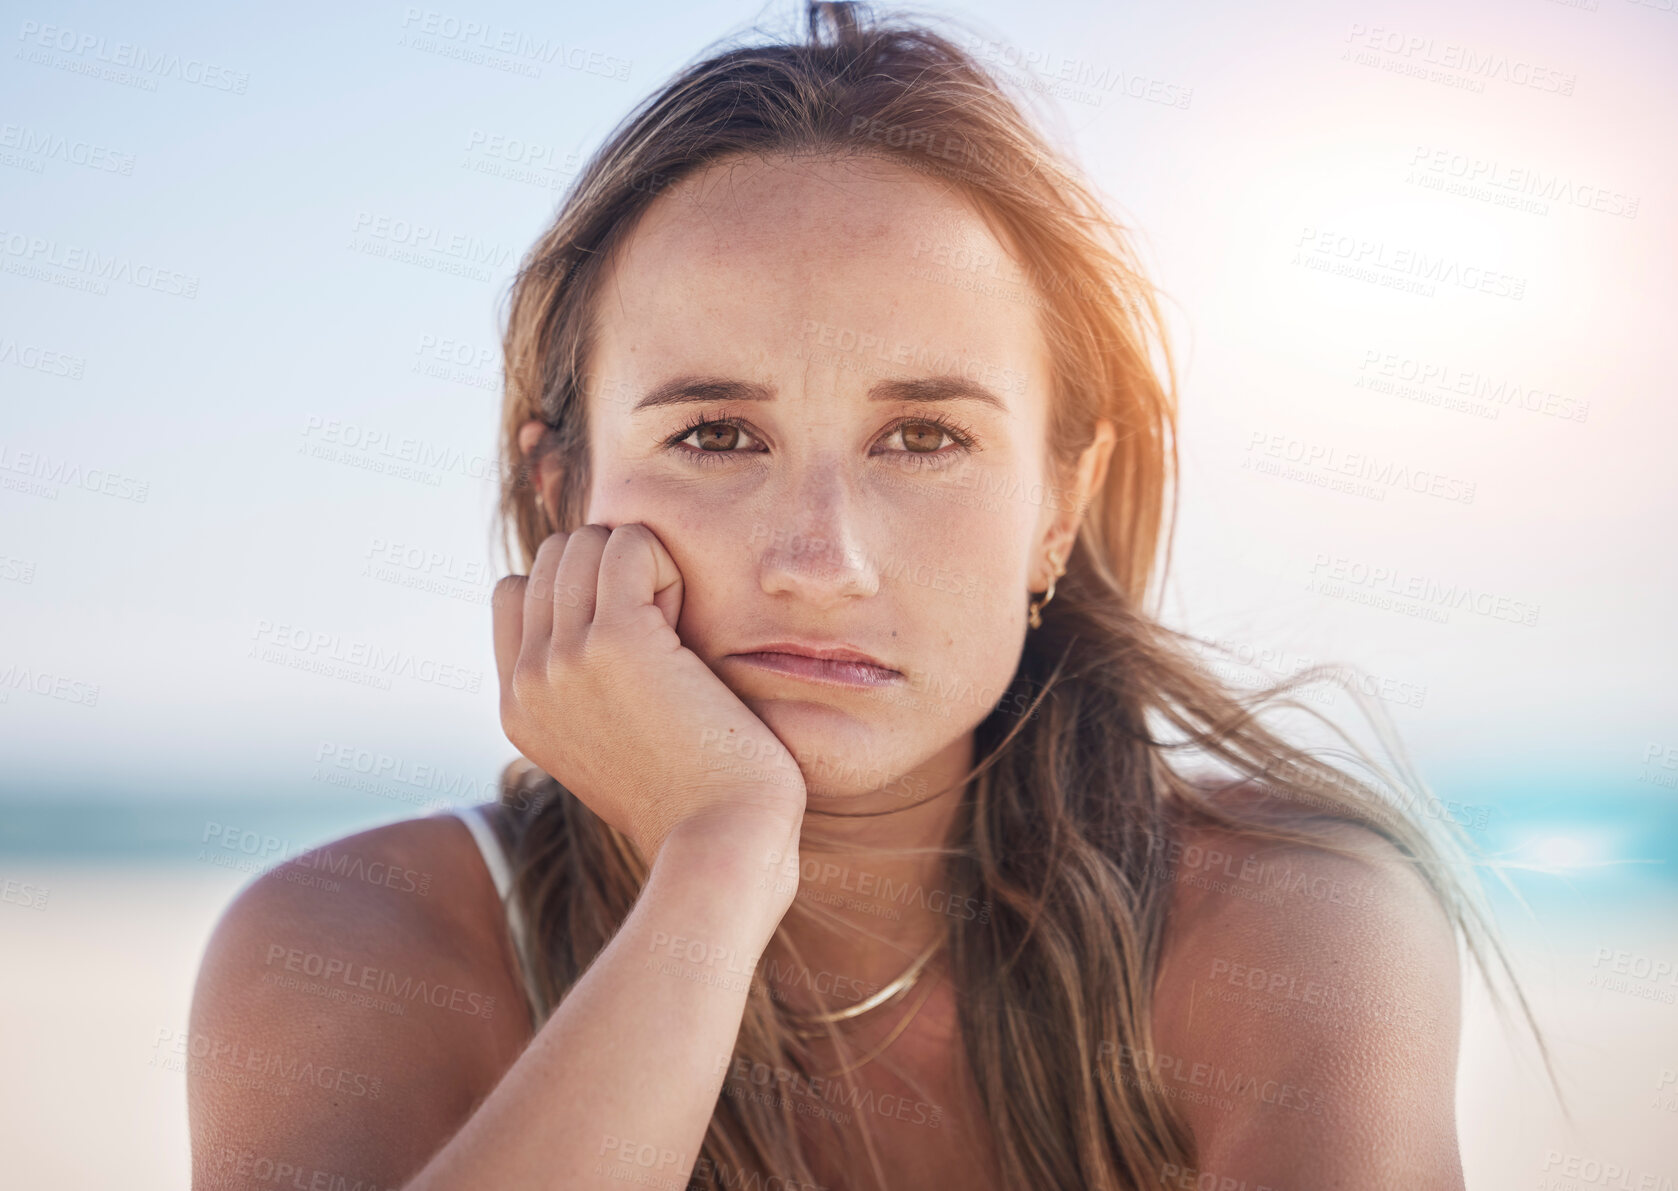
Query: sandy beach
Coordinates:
[100,979]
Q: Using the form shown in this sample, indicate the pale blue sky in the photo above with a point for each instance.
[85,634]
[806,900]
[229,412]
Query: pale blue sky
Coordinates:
[1229,136]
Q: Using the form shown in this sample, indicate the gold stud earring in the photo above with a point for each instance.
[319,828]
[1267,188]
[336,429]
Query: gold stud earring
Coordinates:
[1035,608]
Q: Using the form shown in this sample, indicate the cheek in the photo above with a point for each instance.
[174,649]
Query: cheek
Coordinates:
[965,575]
[990,616]
[710,539]
[968,570]
[681,515]
[981,538]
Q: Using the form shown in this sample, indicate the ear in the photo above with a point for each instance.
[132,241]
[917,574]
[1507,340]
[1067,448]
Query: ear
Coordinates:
[547,478]
[1070,506]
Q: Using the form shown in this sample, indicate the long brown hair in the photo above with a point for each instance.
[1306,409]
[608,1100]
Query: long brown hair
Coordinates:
[1090,758]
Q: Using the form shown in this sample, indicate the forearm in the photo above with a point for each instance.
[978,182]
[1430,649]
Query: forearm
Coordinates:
[630,1064]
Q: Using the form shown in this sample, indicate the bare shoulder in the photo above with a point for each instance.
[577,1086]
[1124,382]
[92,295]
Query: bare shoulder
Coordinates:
[1307,1012]
[353,1007]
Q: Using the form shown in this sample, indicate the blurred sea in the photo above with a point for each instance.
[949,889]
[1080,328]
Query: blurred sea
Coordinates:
[108,907]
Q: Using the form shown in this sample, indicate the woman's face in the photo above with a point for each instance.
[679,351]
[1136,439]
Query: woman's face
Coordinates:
[805,382]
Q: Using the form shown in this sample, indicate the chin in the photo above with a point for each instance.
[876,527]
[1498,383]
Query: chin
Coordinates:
[837,752]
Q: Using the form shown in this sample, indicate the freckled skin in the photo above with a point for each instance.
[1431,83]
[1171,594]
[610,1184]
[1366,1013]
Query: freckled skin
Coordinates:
[822,535]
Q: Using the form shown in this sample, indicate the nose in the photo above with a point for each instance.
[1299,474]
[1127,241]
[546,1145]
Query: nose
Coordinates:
[818,554]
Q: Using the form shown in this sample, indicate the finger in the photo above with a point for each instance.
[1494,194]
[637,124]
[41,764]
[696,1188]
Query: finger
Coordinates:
[507,605]
[575,583]
[637,570]
[538,595]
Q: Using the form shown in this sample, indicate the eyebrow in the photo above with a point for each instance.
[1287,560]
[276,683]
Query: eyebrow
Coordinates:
[684,390]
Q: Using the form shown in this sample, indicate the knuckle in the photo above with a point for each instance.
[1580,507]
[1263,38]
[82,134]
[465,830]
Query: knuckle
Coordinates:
[552,544]
[529,676]
[598,651]
[627,538]
[591,531]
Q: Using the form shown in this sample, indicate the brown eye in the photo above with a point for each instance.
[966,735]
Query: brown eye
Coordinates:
[926,434]
[718,439]
[720,436]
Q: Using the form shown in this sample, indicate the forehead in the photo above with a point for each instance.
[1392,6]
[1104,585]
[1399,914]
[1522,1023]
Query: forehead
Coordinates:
[753,264]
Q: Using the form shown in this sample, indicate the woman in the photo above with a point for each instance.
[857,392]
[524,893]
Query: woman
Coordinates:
[872,832]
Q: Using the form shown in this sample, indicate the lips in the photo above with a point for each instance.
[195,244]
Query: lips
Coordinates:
[822,663]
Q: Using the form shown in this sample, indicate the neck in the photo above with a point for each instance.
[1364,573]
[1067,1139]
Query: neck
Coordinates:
[872,895]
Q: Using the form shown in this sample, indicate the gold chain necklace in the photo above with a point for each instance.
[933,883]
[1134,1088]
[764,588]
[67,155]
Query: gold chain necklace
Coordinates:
[810,1025]
[902,1025]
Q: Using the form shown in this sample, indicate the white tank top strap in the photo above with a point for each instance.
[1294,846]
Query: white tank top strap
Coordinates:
[501,872]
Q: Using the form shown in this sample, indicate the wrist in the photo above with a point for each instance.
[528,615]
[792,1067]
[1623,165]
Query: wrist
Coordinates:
[754,867]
